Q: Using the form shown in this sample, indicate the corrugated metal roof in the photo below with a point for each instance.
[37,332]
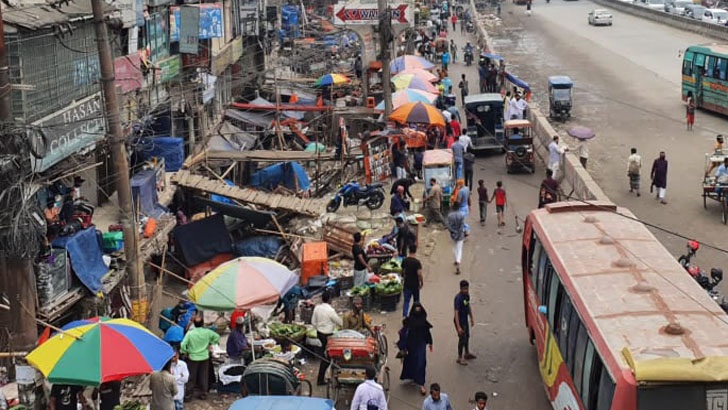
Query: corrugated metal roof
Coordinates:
[34,17]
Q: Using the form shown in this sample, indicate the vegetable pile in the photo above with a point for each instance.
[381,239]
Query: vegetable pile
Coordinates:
[282,331]
[361,290]
[389,285]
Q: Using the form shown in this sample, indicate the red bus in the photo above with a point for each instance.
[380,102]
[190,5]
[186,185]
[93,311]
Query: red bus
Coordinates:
[618,324]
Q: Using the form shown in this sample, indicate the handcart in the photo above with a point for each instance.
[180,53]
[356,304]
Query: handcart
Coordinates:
[350,353]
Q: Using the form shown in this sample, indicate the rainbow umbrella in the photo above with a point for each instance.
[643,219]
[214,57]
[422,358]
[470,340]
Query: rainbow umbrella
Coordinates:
[420,73]
[331,79]
[243,284]
[409,95]
[418,113]
[93,351]
[405,81]
[409,61]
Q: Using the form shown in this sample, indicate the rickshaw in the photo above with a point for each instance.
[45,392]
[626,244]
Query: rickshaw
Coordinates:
[350,353]
[519,146]
[717,191]
[484,116]
[271,377]
[560,96]
[437,163]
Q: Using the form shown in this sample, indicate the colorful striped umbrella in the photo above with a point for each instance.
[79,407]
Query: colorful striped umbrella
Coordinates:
[418,113]
[409,61]
[409,95]
[405,81]
[93,351]
[243,284]
[420,73]
[331,79]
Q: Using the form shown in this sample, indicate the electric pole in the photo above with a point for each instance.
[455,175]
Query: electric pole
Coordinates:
[385,35]
[5,108]
[121,167]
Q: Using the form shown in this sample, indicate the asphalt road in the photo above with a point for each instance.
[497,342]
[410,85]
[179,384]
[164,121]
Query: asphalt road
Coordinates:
[628,90]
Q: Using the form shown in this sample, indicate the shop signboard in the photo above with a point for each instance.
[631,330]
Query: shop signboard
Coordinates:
[211,21]
[70,131]
[367,13]
[189,30]
[170,68]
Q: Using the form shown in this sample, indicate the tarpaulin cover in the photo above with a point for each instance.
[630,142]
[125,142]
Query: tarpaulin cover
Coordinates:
[170,148]
[289,174]
[144,193]
[220,198]
[86,257]
[263,246]
[517,81]
[282,403]
[201,240]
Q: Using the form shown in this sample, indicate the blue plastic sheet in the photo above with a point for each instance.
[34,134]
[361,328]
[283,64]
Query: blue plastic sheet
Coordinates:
[289,174]
[144,193]
[263,246]
[85,252]
[517,81]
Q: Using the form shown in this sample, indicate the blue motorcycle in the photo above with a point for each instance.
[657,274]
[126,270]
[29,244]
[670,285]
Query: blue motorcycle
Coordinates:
[354,194]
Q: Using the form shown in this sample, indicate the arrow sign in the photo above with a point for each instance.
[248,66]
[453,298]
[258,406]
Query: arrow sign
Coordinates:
[362,15]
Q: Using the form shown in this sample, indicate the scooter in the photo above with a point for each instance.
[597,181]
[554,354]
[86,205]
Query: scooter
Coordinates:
[354,194]
[705,282]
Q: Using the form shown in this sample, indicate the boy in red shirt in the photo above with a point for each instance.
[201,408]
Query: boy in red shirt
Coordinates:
[500,202]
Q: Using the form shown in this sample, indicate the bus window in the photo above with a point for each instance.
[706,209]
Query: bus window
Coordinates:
[722,68]
[687,67]
[606,391]
[554,301]
[542,261]
[574,325]
[536,249]
[562,334]
[588,368]
[710,67]
[578,359]
[596,375]
[699,60]
[549,274]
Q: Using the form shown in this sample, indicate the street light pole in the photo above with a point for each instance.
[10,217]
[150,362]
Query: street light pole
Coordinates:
[121,167]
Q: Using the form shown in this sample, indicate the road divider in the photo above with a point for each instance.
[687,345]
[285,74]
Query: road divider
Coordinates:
[576,180]
[679,22]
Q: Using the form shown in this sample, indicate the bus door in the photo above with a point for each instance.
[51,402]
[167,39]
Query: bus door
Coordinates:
[698,72]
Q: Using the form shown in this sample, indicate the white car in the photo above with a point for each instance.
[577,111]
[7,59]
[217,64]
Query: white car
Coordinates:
[677,7]
[600,17]
[715,16]
[653,4]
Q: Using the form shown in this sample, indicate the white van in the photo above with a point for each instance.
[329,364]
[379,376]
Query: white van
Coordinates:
[715,16]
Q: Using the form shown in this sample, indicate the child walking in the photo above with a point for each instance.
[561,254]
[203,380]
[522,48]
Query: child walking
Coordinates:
[499,194]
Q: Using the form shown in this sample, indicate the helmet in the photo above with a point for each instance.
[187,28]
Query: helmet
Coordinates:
[693,245]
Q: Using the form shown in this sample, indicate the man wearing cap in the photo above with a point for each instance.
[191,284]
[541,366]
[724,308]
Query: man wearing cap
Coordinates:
[238,348]
[354,319]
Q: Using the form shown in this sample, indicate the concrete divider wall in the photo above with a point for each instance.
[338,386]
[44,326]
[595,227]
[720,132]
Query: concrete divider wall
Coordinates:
[576,180]
[679,22]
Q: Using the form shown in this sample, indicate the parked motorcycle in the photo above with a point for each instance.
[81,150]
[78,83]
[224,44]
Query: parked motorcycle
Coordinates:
[470,27]
[707,283]
[354,194]
[468,58]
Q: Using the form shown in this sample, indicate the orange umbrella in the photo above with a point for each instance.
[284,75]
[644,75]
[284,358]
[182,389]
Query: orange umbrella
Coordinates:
[418,113]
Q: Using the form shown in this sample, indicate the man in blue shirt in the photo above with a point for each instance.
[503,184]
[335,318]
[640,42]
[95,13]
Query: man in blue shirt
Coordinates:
[238,349]
[436,400]
[721,177]
[458,149]
[463,312]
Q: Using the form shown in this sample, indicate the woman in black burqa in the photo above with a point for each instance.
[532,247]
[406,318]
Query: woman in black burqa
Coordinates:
[414,338]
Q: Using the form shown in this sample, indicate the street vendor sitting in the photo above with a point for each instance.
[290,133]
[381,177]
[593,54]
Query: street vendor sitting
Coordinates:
[356,319]
[238,348]
[721,177]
